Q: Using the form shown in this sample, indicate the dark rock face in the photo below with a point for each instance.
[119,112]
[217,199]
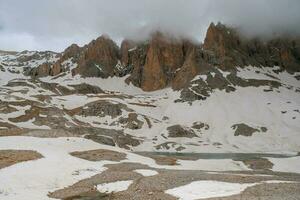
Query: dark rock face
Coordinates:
[109,137]
[126,47]
[200,125]
[2,68]
[258,164]
[73,52]
[132,121]
[232,50]
[155,62]
[213,79]
[98,59]
[41,71]
[245,130]
[44,69]
[102,108]
[86,89]
[99,155]
[179,131]
[163,58]
[165,61]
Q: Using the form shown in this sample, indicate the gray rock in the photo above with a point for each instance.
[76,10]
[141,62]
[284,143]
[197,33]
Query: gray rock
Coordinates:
[179,131]
[245,130]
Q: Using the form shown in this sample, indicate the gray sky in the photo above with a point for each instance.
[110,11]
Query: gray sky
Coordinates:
[55,24]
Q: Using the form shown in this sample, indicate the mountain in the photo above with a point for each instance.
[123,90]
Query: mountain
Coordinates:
[229,94]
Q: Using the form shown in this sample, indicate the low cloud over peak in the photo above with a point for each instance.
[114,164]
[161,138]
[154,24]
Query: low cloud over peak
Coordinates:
[54,24]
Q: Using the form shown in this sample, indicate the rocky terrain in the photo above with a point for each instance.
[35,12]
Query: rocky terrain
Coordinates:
[107,110]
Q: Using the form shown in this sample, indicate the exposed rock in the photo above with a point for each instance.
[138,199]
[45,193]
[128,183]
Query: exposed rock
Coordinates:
[52,117]
[155,62]
[19,83]
[169,145]
[100,155]
[234,50]
[179,131]
[161,159]
[11,157]
[126,47]
[164,57]
[107,136]
[2,68]
[73,53]
[132,121]
[165,61]
[55,88]
[137,59]
[200,126]
[41,71]
[11,130]
[99,58]
[102,108]
[87,89]
[245,130]
[258,164]
[201,87]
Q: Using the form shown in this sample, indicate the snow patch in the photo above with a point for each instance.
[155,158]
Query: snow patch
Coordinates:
[146,172]
[114,187]
[207,189]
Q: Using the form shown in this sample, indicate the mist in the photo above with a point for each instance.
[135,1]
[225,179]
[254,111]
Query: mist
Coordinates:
[55,24]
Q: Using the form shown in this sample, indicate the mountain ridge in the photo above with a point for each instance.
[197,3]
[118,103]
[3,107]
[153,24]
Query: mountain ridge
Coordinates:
[165,61]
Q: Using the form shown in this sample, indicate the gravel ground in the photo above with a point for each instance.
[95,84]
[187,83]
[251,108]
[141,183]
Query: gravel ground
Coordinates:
[153,187]
[11,157]
[99,155]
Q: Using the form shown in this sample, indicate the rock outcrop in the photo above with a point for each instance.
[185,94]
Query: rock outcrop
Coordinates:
[41,71]
[98,59]
[231,49]
[72,54]
[165,61]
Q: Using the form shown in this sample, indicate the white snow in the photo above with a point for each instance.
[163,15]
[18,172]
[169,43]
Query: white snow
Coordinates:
[34,179]
[207,189]
[212,189]
[286,164]
[58,169]
[72,101]
[114,187]
[146,172]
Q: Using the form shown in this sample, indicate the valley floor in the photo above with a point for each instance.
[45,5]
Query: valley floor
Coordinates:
[77,168]
[227,135]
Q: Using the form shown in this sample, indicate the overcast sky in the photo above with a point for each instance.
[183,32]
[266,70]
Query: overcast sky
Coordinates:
[55,24]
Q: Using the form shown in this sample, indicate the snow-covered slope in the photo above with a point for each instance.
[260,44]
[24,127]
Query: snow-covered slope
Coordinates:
[251,110]
[243,110]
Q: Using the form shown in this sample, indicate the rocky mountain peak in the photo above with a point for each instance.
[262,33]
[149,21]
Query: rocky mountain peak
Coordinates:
[164,60]
[126,47]
[219,37]
[155,62]
[231,49]
[98,58]
[164,56]
[72,50]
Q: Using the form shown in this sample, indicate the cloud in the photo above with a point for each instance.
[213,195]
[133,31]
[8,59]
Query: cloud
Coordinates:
[55,24]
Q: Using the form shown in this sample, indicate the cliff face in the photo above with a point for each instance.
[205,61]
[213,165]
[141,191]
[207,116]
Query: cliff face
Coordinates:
[231,50]
[73,52]
[155,63]
[164,61]
[98,59]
